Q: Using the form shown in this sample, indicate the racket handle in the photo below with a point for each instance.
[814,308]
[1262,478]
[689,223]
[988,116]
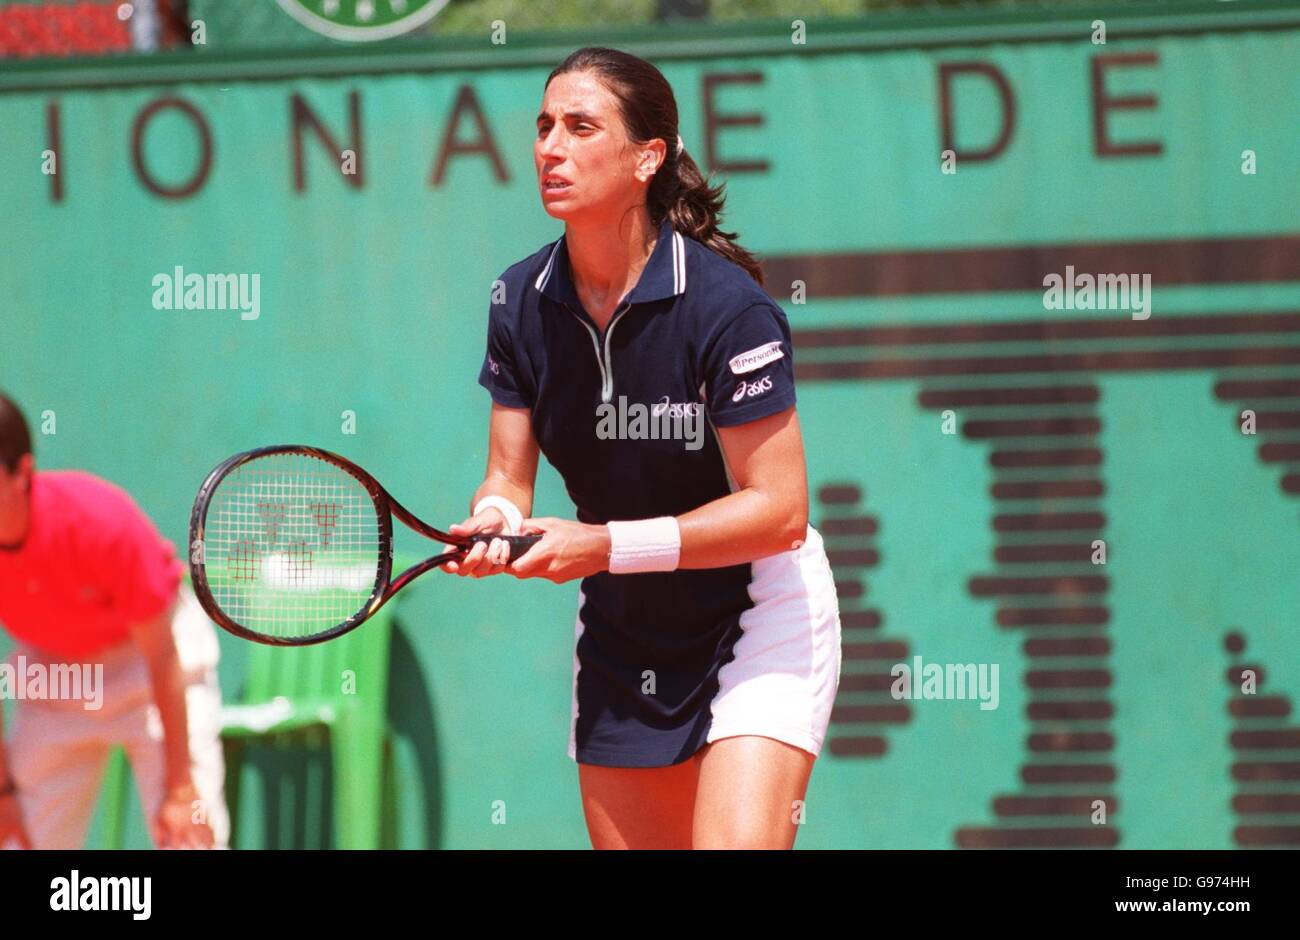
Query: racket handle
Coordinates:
[518,543]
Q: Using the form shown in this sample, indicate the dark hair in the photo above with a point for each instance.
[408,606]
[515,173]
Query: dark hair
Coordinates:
[15,440]
[679,190]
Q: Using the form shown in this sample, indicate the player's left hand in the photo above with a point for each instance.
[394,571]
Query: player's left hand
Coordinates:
[568,550]
[175,828]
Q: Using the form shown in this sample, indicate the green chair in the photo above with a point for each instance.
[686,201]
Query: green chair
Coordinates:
[339,687]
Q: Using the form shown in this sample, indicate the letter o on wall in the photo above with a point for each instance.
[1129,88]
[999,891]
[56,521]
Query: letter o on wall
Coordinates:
[205,149]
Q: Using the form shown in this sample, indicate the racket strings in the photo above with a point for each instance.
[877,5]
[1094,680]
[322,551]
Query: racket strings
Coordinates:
[291,546]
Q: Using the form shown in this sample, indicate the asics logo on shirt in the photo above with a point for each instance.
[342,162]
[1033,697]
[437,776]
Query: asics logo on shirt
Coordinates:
[750,389]
[675,409]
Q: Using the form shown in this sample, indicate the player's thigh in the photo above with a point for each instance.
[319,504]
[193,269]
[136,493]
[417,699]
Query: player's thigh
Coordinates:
[639,807]
[750,794]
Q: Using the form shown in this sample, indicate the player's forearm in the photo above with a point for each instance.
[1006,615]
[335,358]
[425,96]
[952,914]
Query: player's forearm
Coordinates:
[158,645]
[743,526]
[169,695]
[735,529]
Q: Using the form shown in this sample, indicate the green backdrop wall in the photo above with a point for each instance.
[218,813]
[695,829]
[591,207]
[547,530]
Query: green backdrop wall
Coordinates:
[968,448]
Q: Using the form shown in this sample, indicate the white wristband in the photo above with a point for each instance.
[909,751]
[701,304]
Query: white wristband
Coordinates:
[514,518]
[644,545]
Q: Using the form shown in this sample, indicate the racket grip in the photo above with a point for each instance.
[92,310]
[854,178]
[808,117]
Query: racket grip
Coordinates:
[518,544]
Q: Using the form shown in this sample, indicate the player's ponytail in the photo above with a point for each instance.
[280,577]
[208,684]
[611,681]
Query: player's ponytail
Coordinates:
[679,190]
[695,208]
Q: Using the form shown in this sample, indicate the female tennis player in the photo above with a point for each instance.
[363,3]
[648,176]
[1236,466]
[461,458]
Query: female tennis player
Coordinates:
[708,634]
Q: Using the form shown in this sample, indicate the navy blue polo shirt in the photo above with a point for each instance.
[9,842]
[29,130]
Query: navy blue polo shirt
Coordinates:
[697,344]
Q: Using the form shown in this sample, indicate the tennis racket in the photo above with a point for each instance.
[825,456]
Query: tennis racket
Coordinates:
[293,545]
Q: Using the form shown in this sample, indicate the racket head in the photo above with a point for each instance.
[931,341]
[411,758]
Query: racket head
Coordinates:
[290,545]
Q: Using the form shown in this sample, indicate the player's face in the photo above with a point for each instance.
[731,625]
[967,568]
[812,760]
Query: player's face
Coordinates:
[14,488]
[581,139]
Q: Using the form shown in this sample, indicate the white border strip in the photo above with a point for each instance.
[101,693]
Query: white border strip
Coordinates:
[546,271]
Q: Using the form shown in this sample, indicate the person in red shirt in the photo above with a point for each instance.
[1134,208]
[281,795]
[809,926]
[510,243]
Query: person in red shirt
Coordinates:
[112,649]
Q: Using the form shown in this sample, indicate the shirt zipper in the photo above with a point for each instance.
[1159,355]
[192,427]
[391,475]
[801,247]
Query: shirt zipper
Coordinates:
[606,366]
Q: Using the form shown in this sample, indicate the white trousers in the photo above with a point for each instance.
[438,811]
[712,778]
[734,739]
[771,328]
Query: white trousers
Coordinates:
[59,749]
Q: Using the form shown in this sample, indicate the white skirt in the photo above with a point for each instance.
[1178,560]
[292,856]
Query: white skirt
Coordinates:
[785,671]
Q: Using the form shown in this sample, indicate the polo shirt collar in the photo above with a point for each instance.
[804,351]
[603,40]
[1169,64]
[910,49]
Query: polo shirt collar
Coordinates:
[663,276]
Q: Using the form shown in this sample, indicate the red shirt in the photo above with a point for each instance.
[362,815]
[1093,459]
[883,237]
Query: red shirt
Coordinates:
[91,565]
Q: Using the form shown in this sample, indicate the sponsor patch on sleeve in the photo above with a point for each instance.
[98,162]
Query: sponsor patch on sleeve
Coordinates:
[756,358]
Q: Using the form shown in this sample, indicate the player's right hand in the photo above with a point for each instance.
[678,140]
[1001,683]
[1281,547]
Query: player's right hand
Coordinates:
[483,559]
[11,823]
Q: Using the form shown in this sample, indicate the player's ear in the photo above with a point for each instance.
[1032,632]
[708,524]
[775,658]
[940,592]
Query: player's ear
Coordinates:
[651,159]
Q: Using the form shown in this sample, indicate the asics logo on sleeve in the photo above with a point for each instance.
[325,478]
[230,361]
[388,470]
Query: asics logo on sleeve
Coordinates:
[750,389]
